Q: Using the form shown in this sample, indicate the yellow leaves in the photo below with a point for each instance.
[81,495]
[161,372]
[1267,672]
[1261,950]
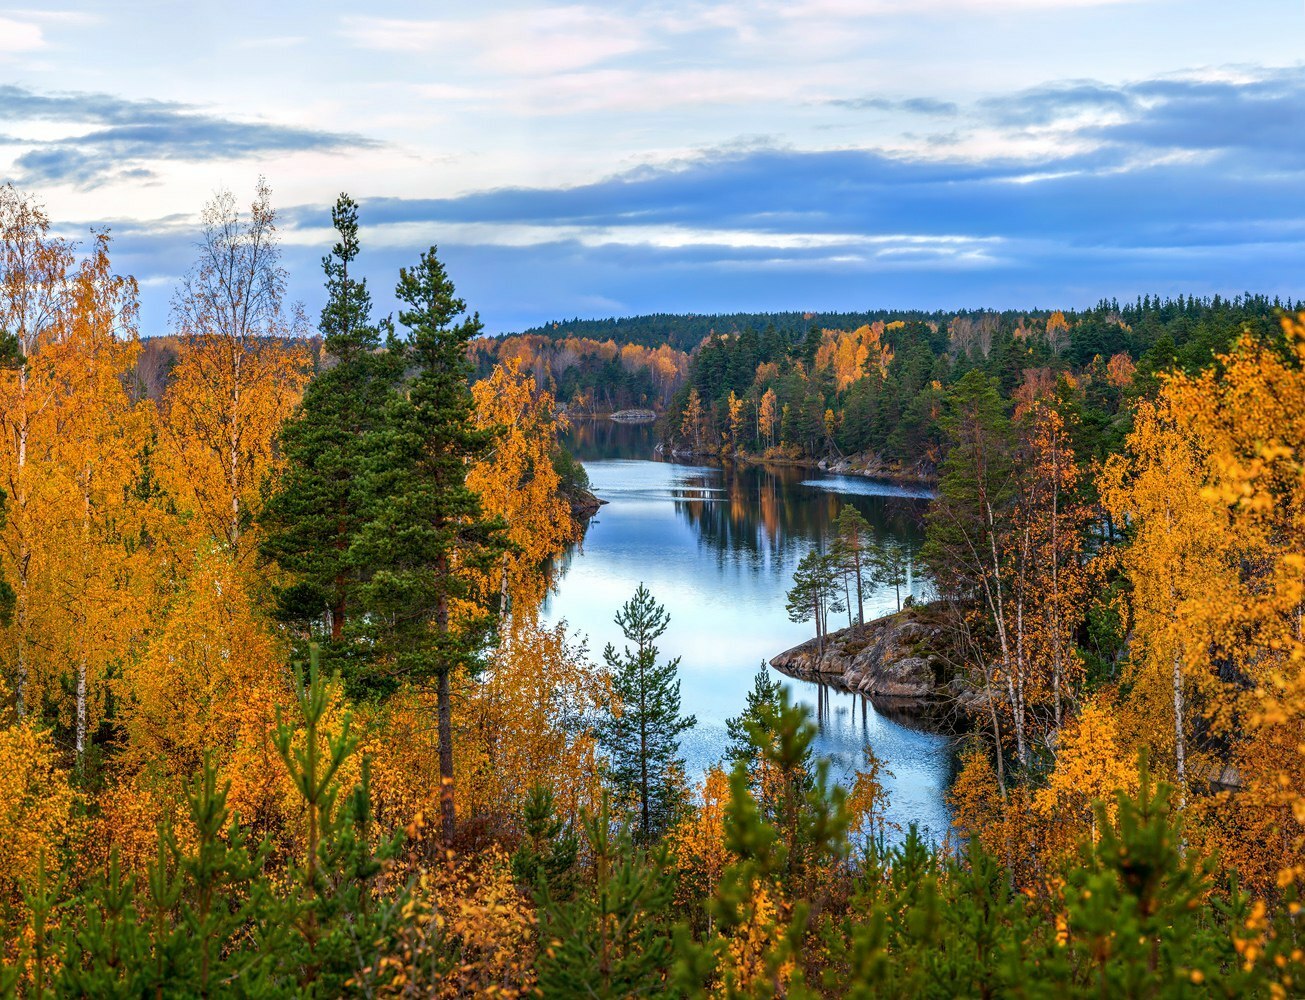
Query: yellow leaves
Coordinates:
[529,720]
[224,407]
[518,483]
[1091,765]
[36,807]
[867,800]
[854,354]
[751,963]
[697,842]
[466,931]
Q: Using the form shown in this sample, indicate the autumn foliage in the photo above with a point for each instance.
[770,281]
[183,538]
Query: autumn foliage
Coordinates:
[200,789]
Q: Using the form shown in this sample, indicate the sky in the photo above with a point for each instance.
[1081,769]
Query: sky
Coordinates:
[617,158]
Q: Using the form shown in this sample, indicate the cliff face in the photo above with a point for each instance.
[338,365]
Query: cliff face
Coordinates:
[890,659]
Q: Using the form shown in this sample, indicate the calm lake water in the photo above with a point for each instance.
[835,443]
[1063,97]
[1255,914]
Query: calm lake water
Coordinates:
[718,546]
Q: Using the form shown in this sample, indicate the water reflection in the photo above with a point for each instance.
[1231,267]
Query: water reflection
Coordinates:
[718,547]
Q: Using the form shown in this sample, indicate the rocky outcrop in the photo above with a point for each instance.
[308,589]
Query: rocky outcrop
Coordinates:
[584,504]
[872,466]
[634,417]
[891,660]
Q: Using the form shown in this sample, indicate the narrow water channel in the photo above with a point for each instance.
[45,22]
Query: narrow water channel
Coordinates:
[718,546]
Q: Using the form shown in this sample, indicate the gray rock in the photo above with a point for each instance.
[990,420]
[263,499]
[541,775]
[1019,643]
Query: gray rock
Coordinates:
[890,659]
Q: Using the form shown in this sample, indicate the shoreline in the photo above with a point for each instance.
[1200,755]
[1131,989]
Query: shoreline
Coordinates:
[865,468]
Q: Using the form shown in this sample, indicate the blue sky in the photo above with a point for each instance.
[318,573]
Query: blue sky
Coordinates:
[617,158]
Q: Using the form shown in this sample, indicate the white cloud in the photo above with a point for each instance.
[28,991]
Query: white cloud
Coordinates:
[20,36]
[525,43]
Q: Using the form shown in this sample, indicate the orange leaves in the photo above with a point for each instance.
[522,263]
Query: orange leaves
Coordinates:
[225,404]
[466,931]
[518,483]
[854,354]
[529,720]
[697,842]
[1213,488]
[36,807]
[1092,763]
[1119,370]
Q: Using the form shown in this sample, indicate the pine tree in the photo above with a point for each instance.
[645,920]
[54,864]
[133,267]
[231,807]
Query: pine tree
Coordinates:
[329,904]
[764,695]
[890,563]
[612,940]
[313,520]
[429,547]
[814,594]
[853,538]
[546,859]
[643,741]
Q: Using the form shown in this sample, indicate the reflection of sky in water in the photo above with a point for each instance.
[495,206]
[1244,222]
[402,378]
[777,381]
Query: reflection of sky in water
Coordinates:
[860,486]
[718,548]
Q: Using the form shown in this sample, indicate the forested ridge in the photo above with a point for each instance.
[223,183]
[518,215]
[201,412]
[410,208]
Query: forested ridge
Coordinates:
[808,386]
[279,715]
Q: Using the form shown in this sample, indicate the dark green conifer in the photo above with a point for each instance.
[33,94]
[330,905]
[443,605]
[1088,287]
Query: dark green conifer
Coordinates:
[643,741]
[613,939]
[427,543]
[313,520]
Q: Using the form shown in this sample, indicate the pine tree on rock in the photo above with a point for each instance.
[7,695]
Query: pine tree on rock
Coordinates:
[428,544]
[312,522]
[814,595]
[644,740]
[853,541]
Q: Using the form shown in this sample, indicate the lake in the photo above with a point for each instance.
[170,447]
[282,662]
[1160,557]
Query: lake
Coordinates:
[717,546]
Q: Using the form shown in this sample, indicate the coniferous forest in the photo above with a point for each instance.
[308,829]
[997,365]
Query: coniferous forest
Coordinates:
[280,714]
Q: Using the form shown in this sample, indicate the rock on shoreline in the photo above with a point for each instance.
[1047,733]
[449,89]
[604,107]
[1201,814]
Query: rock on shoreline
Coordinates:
[892,660]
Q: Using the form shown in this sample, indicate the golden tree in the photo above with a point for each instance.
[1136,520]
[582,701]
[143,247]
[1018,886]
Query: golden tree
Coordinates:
[237,377]
[518,482]
[34,270]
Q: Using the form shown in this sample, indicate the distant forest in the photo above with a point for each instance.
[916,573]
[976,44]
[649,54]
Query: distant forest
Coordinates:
[804,386]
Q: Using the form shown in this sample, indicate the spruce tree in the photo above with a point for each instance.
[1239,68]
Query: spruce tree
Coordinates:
[644,740]
[312,522]
[761,700]
[428,545]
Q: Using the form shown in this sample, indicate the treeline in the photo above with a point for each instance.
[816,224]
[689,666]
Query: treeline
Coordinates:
[589,376]
[876,391]
[1095,610]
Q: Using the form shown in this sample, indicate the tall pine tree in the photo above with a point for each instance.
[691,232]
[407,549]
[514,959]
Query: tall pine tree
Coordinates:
[644,740]
[427,543]
[313,521]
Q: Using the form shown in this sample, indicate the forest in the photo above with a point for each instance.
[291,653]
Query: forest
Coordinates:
[281,716]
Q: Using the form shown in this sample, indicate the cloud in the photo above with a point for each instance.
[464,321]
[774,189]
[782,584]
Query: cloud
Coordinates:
[1191,183]
[1043,105]
[912,105]
[1262,110]
[137,133]
[529,42]
[19,36]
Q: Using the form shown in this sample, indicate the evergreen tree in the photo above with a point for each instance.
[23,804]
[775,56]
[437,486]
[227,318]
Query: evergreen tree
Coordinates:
[853,538]
[891,566]
[613,939]
[312,522]
[427,543]
[814,594]
[546,859]
[643,741]
[329,904]
[763,696]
